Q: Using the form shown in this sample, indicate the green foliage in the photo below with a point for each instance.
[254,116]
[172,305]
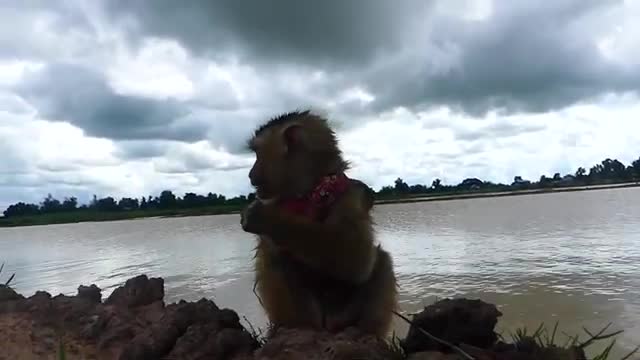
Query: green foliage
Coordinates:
[53,211]
[545,340]
[607,172]
[62,355]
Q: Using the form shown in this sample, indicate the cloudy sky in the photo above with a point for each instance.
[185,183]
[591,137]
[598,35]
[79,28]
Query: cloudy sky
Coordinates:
[127,98]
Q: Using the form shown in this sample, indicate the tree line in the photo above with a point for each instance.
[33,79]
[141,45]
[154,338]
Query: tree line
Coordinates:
[167,200]
[607,172]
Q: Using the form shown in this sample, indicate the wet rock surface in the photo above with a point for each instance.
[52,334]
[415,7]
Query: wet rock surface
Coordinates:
[458,321]
[135,323]
[469,324]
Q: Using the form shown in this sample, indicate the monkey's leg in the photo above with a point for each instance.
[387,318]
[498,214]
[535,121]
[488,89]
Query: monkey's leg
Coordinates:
[285,303]
[380,300]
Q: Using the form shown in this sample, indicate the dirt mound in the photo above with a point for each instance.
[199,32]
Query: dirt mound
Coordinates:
[469,325]
[135,323]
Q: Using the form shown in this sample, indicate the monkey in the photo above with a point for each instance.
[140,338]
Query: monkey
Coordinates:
[316,262]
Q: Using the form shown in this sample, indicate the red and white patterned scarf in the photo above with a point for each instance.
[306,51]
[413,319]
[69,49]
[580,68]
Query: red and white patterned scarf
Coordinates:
[315,204]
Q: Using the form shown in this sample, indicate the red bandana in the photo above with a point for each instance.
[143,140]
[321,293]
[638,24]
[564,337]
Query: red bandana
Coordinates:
[315,204]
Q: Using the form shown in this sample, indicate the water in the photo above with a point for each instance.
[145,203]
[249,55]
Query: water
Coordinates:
[567,257]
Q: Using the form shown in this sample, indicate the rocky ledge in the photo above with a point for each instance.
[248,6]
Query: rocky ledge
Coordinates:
[135,323]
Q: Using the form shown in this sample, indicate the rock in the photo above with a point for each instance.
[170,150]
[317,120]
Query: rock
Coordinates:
[457,321]
[137,291]
[231,342]
[290,344]
[7,294]
[528,348]
[433,355]
[91,293]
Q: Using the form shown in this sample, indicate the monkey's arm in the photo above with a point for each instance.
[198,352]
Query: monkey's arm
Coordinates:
[341,246]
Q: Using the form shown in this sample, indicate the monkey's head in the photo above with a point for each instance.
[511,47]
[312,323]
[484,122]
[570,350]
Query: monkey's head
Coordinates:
[293,152]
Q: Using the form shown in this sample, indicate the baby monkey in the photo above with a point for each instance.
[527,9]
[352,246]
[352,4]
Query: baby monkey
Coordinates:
[317,264]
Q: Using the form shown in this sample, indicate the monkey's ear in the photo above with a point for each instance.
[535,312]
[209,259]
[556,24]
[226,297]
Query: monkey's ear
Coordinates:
[293,136]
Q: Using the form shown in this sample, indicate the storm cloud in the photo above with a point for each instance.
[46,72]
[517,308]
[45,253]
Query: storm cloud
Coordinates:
[131,97]
[82,97]
[472,55]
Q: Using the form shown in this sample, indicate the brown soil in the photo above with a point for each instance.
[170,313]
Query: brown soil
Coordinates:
[135,323]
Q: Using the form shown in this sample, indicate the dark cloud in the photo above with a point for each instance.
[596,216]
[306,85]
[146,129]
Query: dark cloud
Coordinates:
[40,29]
[320,33]
[190,162]
[496,130]
[81,96]
[141,149]
[528,56]
[525,56]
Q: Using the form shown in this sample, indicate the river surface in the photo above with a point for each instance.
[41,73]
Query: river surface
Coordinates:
[567,257]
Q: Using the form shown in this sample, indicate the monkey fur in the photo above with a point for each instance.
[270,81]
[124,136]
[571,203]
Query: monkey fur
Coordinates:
[322,274]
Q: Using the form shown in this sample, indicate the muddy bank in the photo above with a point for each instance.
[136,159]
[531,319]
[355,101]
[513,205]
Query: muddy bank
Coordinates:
[135,323]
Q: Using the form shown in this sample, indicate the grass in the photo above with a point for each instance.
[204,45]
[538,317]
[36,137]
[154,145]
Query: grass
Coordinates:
[258,334]
[546,340]
[8,282]
[62,354]
[395,345]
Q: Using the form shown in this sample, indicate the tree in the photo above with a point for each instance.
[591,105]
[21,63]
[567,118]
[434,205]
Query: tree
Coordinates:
[401,187]
[386,190]
[557,177]
[595,173]
[50,205]
[471,184]
[581,172]
[167,200]
[21,209]
[128,204]
[143,203]
[545,181]
[418,189]
[70,204]
[107,204]
[215,199]
[636,168]
[190,200]
[436,184]
[614,170]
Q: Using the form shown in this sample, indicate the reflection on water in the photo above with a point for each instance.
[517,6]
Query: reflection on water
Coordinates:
[568,257]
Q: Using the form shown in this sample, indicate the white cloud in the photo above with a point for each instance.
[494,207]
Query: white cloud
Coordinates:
[159,69]
[133,104]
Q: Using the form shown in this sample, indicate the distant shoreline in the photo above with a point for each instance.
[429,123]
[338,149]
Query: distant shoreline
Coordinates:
[477,195]
[75,217]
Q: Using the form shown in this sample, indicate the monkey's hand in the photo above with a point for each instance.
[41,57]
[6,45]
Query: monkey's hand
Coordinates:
[254,217]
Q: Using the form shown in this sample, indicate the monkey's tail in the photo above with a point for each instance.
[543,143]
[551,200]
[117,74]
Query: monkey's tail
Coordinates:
[434,338]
